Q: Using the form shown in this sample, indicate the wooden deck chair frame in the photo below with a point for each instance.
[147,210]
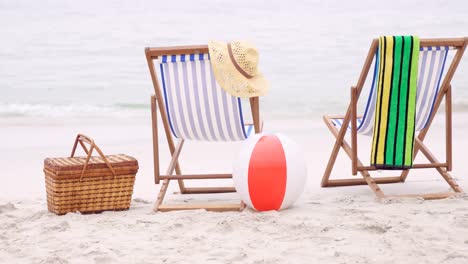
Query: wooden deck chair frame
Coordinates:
[443,168]
[157,103]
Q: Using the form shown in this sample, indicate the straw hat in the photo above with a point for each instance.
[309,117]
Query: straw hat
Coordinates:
[235,68]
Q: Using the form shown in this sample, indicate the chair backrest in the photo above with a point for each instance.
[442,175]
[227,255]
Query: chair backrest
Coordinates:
[432,70]
[197,107]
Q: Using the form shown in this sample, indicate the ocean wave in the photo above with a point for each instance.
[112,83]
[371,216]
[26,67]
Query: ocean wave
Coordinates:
[51,110]
[135,110]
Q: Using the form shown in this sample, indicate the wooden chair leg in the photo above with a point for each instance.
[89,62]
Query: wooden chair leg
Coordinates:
[208,207]
[404,175]
[443,172]
[448,125]
[159,206]
[223,207]
[154,121]
[155,105]
[365,174]
[162,193]
[373,182]
[170,170]
[178,171]
[448,128]
[333,155]
[200,190]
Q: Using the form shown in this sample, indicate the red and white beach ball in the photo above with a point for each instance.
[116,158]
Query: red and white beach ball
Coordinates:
[270,172]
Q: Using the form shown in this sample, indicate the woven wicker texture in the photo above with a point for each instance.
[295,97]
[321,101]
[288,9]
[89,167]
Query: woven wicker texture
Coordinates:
[95,189]
[71,166]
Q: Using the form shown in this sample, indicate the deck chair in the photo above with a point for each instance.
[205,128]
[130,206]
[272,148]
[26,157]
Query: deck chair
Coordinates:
[193,107]
[432,87]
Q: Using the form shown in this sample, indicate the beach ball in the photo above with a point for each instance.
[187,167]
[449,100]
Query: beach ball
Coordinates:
[269,172]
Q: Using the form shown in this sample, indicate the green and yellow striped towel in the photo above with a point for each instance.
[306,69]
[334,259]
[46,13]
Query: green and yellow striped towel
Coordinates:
[393,137]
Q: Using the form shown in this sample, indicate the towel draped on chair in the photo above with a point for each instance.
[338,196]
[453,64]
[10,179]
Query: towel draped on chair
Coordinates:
[393,136]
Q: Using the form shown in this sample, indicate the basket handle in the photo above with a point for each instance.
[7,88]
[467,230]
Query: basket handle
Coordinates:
[80,138]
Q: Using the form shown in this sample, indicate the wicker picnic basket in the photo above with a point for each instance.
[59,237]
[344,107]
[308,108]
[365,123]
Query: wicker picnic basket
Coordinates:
[89,184]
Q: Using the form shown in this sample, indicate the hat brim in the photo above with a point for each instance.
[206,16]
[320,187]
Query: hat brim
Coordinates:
[229,78]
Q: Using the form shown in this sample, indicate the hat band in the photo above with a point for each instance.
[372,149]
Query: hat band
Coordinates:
[238,68]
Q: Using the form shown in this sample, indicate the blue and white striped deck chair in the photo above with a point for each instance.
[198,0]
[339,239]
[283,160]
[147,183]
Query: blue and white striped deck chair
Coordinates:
[434,77]
[193,107]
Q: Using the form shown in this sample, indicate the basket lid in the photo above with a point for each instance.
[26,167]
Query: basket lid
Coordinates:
[95,162]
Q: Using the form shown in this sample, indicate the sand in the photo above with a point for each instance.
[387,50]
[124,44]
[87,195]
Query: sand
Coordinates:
[333,225]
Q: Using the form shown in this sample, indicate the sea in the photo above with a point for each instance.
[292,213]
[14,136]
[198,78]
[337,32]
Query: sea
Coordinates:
[62,58]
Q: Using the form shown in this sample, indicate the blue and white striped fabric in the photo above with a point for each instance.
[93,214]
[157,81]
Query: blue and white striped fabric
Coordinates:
[196,106]
[431,70]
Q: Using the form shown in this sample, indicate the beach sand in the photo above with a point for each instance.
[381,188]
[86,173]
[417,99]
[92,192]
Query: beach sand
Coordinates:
[326,225]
